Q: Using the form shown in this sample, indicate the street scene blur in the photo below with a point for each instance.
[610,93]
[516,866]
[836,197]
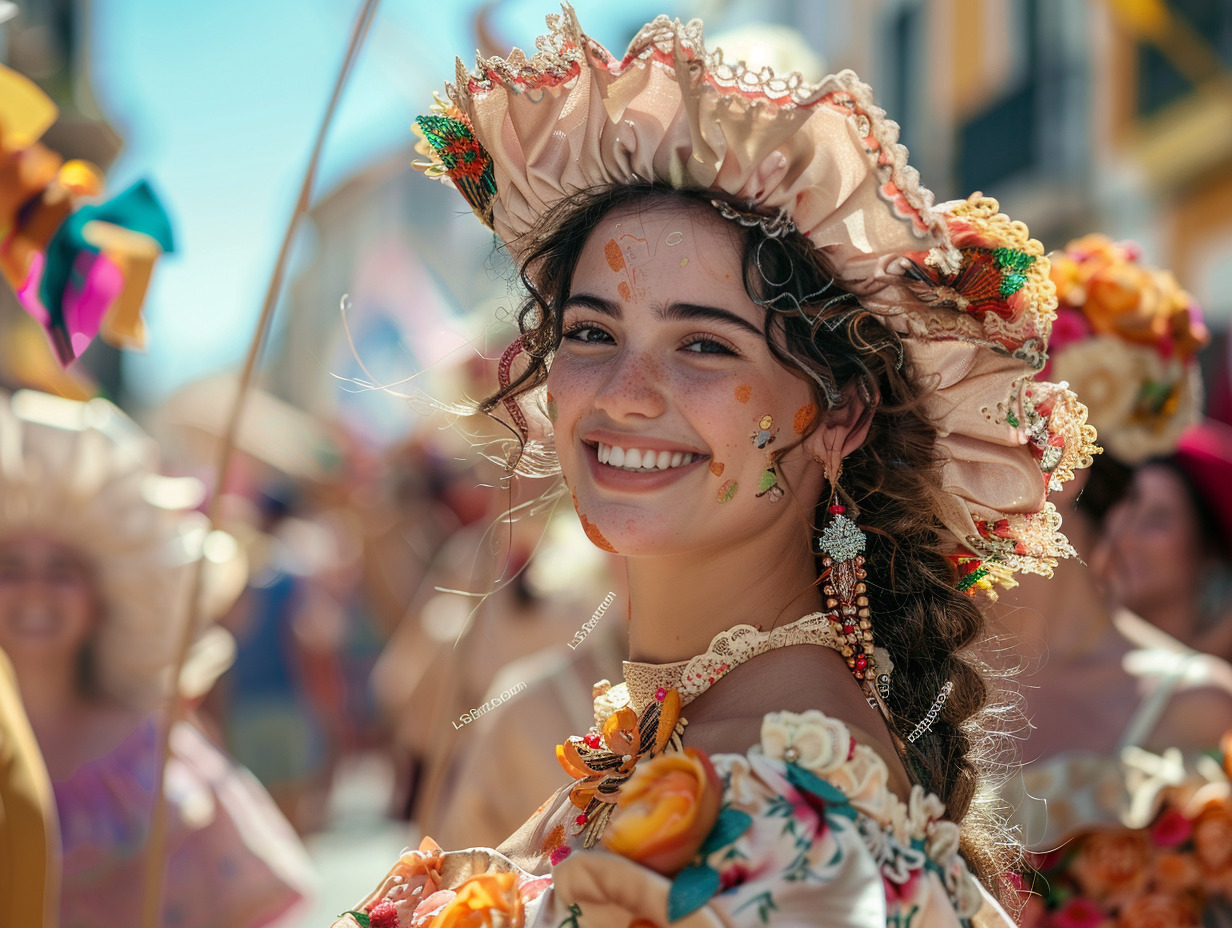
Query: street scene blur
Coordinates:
[251,688]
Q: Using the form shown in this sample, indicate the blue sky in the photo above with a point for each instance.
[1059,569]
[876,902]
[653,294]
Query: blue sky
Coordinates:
[218,103]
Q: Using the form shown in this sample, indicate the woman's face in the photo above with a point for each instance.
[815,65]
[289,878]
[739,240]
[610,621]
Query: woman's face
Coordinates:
[1155,554]
[48,599]
[668,406]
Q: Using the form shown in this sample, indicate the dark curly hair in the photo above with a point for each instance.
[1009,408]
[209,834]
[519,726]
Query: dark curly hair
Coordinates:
[817,329]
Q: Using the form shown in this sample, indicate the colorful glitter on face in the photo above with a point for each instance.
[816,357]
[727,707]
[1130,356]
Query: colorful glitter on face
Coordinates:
[592,530]
[763,436]
[596,536]
[615,257]
[769,485]
[744,393]
[805,417]
[727,491]
[716,468]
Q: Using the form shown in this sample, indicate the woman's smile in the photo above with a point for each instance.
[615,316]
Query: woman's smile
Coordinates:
[668,401]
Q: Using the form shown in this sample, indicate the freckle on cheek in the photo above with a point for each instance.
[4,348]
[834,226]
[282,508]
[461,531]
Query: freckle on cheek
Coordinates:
[716,468]
[805,416]
[744,393]
[727,491]
[615,257]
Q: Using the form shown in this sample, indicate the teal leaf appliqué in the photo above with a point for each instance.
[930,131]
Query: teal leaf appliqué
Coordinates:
[692,888]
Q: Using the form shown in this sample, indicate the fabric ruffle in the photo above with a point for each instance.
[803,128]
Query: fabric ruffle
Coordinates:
[966,288]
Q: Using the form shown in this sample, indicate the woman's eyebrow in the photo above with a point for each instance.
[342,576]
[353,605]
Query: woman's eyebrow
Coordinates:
[597,303]
[673,312]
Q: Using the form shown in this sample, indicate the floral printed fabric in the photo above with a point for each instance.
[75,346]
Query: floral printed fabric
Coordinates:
[808,834]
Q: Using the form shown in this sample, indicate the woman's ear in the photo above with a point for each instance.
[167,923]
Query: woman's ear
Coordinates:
[842,430]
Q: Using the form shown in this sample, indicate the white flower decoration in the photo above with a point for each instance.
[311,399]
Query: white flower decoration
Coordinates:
[943,842]
[809,740]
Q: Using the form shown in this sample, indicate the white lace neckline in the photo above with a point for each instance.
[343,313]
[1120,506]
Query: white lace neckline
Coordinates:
[727,651]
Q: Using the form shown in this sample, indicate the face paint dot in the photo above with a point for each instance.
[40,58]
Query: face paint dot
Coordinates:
[596,536]
[766,422]
[744,393]
[684,262]
[592,530]
[805,417]
[674,238]
[551,408]
[727,491]
[615,257]
[623,289]
[716,468]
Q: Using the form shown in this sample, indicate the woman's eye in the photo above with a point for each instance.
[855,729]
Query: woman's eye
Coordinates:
[703,345]
[587,335]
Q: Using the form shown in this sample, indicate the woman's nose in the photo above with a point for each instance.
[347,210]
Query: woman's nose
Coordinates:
[634,387]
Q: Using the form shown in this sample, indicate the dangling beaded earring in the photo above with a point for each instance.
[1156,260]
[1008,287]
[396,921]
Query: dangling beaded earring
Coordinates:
[841,546]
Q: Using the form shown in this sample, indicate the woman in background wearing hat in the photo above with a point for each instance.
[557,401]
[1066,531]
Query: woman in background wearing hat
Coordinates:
[1121,713]
[96,549]
[1168,556]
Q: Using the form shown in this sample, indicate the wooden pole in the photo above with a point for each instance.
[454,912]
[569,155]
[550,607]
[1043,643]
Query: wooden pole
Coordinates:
[152,903]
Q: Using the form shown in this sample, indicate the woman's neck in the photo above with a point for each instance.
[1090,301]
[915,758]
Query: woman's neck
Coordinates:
[49,691]
[679,603]
[1177,616]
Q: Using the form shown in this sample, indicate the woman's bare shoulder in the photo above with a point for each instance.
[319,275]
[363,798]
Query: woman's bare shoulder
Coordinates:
[728,717]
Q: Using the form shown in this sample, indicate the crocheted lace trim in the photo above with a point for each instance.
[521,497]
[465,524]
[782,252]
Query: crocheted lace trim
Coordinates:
[727,651]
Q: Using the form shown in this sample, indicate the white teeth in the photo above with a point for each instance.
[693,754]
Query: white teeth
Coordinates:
[643,460]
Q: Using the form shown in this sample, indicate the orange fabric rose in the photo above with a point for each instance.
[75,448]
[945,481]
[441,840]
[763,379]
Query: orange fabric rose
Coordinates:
[665,811]
[1212,838]
[1176,873]
[1159,911]
[487,900]
[1113,864]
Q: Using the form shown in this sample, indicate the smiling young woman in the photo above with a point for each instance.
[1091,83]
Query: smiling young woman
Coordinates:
[799,402]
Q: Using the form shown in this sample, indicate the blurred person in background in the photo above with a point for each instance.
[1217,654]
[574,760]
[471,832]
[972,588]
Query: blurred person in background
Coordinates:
[96,551]
[569,591]
[450,647]
[1121,715]
[1168,544]
[281,703]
